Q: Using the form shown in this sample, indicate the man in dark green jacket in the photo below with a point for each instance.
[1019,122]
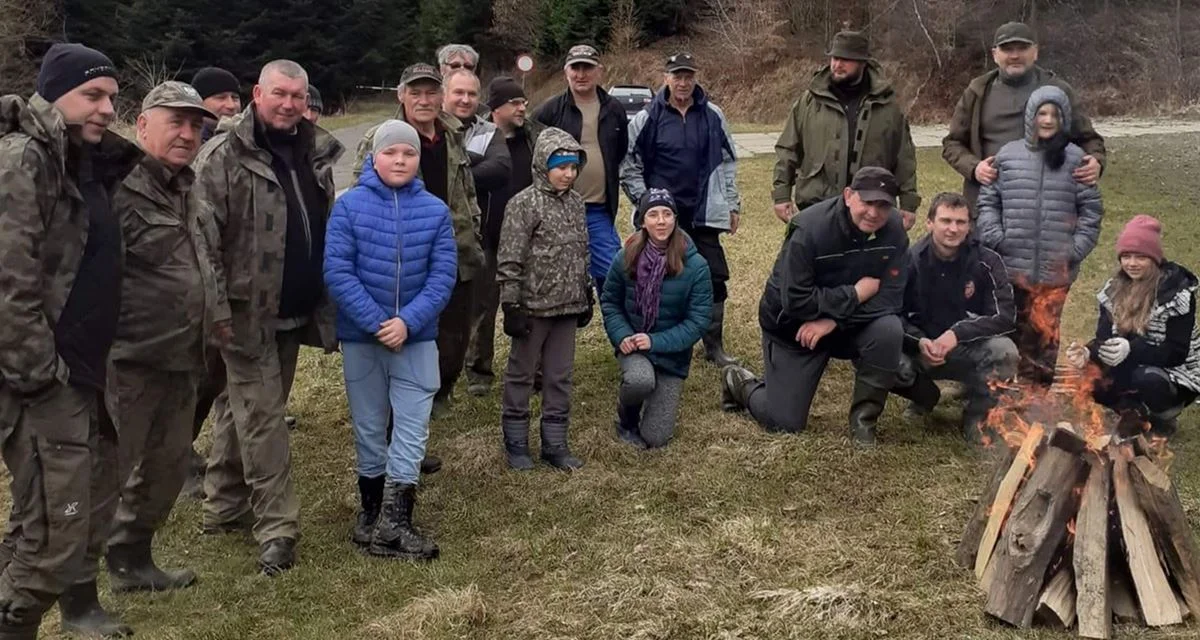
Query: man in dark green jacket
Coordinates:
[991,113]
[848,119]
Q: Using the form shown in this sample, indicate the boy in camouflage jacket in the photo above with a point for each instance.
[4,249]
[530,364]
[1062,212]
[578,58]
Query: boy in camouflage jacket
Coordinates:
[546,294]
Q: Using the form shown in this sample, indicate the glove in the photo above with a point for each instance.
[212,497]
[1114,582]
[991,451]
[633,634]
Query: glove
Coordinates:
[516,322]
[1114,351]
[1077,355]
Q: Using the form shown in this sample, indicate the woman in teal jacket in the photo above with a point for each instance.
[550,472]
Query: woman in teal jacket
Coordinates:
[657,301]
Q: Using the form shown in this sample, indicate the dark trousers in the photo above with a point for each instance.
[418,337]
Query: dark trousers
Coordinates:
[454,335]
[550,345]
[708,244]
[1039,318]
[782,399]
[1133,386]
[486,302]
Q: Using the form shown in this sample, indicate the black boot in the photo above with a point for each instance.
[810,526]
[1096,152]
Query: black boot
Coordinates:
[193,485]
[276,556]
[370,496]
[131,568]
[18,631]
[922,391]
[865,408]
[554,447]
[735,387]
[516,444]
[629,418]
[430,464]
[394,535]
[82,613]
[714,338]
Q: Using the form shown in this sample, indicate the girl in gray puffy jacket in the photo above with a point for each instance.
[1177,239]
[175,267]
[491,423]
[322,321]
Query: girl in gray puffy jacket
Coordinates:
[1042,223]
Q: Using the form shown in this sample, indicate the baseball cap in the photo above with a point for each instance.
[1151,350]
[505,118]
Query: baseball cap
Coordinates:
[420,71]
[681,62]
[583,53]
[1014,32]
[875,184]
[176,95]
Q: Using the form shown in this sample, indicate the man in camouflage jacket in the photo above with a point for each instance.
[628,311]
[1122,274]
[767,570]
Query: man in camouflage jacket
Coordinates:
[60,249]
[170,300]
[268,174]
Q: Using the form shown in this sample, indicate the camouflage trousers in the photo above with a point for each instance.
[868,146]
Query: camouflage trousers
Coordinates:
[62,455]
[250,465]
[153,412]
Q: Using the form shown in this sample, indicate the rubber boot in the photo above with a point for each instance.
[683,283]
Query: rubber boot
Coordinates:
[1164,423]
[82,613]
[394,535]
[131,568]
[629,418]
[735,387]
[370,497]
[555,451]
[865,408]
[516,444]
[276,556]
[923,392]
[714,338]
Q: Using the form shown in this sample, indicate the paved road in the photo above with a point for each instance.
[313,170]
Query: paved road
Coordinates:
[750,145]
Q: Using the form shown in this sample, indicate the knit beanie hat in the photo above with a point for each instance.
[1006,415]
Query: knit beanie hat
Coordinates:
[559,158]
[210,81]
[653,197]
[395,132]
[1142,234]
[503,90]
[314,99]
[68,65]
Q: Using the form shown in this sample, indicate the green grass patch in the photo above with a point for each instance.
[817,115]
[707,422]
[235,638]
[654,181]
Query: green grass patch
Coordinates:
[727,533]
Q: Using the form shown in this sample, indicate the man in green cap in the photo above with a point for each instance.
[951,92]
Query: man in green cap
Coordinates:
[848,118]
[991,113]
[170,304]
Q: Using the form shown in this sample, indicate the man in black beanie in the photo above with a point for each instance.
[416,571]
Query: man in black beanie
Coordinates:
[60,298]
[315,106]
[218,89]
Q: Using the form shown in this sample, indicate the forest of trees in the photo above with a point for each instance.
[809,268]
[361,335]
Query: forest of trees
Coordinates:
[1125,52]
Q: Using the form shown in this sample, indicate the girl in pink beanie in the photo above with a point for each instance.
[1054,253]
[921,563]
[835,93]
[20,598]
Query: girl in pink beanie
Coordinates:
[1147,344]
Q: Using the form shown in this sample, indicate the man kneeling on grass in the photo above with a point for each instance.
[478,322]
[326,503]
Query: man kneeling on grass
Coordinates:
[836,291]
[958,309]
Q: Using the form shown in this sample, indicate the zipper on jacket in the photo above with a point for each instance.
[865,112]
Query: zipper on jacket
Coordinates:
[304,210]
[399,250]
[1037,234]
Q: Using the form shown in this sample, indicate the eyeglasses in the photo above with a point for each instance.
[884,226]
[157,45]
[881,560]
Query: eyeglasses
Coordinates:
[461,65]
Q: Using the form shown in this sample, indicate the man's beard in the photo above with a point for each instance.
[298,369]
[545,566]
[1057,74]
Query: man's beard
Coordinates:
[849,81]
[1015,78]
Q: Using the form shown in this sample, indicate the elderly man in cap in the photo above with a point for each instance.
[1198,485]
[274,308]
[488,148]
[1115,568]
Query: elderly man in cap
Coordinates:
[848,118]
[315,106]
[269,178]
[507,105]
[836,291]
[681,143]
[60,283]
[445,170]
[597,121]
[172,311]
[219,90]
[991,113]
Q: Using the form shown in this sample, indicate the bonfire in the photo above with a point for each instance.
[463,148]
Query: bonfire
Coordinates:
[1080,523]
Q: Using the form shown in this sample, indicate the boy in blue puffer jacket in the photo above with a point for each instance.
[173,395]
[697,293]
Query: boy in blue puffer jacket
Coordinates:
[390,266]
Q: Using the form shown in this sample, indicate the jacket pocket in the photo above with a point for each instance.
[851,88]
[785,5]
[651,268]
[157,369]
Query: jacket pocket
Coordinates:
[156,237]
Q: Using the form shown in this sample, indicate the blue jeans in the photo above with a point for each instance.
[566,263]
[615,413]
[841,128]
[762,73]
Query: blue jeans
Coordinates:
[380,382]
[603,242]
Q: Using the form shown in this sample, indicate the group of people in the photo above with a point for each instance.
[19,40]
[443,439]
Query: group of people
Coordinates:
[148,284]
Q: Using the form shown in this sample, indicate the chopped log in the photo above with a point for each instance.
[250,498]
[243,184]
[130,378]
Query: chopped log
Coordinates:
[1149,580]
[1056,606]
[1160,502]
[1036,528]
[1005,494]
[968,547]
[1184,611]
[1091,554]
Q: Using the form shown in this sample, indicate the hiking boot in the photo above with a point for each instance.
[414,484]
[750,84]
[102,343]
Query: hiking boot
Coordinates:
[555,451]
[628,420]
[516,444]
[430,464]
[866,406]
[276,556]
[714,338]
[735,387]
[131,568]
[370,496]
[82,613]
[394,535]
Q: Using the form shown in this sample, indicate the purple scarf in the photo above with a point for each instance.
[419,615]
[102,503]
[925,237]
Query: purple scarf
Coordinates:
[651,269]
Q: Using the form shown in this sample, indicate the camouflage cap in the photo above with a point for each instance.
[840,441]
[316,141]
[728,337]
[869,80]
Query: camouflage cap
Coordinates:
[176,95]
[420,71]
